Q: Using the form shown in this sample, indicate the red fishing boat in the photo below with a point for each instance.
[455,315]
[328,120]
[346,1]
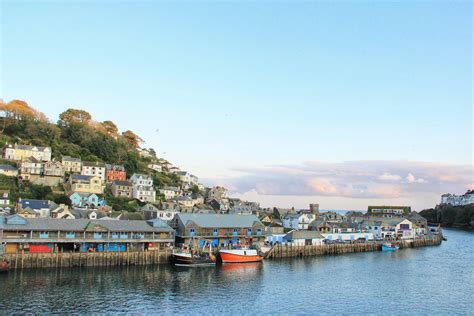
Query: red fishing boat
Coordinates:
[240,255]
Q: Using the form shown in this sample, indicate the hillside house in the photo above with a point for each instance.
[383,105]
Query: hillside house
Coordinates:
[170,192]
[115,172]
[143,188]
[298,221]
[21,152]
[71,164]
[122,189]
[85,184]
[9,171]
[95,169]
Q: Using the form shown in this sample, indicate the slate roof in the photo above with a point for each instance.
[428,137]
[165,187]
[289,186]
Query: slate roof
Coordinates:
[93,164]
[29,147]
[71,159]
[48,224]
[304,234]
[80,177]
[34,204]
[8,168]
[219,220]
[122,182]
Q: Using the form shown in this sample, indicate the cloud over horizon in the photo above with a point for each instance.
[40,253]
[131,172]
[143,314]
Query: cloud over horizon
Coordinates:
[374,180]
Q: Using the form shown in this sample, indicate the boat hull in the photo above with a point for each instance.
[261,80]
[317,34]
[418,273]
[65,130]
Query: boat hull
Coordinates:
[190,260]
[229,256]
[387,248]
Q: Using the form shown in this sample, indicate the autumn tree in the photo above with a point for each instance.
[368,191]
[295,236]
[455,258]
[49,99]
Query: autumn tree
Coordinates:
[132,138]
[110,128]
[71,116]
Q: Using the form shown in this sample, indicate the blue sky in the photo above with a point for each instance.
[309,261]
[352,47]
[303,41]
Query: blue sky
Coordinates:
[233,91]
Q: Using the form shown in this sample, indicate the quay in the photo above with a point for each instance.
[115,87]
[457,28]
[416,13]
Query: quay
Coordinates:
[288,250]
[136,258]
[87,259]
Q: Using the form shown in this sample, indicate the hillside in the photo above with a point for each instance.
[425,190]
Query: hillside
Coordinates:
[451,216]
[75,134]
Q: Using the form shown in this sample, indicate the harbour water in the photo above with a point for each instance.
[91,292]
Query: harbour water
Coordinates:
[429,280]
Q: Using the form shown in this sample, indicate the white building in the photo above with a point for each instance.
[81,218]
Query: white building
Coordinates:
[304,238]
[298,221]
[155,167]
[143,188]
[71,164]
[96,169]
[348,236]
[391,228]
[170,192]
[456,200]
[20,152]
[217,193]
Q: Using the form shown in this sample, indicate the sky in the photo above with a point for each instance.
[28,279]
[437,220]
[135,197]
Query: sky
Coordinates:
[342,103]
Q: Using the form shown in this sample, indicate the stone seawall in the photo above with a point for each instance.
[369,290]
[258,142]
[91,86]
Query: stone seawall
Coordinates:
[93,259]
[286,251]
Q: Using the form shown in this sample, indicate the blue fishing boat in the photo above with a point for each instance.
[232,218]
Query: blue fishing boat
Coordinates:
[389,247]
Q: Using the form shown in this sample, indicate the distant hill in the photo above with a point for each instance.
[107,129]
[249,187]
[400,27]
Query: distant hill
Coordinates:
[451,216]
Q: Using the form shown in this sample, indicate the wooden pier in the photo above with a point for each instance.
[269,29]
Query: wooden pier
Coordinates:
[286,251]
[91,259]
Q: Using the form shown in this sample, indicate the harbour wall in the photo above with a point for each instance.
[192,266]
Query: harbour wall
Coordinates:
[87,259]
[287,250]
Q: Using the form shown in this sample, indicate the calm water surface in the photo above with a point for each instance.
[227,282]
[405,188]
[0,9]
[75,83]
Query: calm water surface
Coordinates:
[432,280]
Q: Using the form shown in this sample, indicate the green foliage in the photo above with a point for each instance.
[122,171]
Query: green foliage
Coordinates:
[63,199]
[451,216]
[121,204]
[11,184]
[195,189]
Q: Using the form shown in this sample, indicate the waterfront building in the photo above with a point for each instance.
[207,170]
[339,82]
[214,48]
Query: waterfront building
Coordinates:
[342,227]
[9,171]
[349,236]
[220,229]
[95,168]
[71,164]
[20,152]
[44,235]
[320,225]
[85,184]
[151,212]
[143,188]
[388,211]
[333,217]
[420,224]
[282,212]
[304,238]
[457,200]
[121,188]
[390,227]
[115,172]
[298,221]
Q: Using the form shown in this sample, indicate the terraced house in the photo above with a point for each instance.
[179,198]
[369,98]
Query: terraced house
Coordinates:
[20,152]
[220,229]
[115,172]
[71,164]
[85,184]
[94,169]
[45,235]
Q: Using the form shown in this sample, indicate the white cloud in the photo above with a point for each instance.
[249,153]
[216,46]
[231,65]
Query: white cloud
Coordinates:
[389,177]
[355,181]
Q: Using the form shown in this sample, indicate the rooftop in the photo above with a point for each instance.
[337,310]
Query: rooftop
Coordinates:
[219,220]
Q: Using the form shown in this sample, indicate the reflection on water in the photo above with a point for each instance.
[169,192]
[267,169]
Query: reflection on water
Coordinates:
[426,280]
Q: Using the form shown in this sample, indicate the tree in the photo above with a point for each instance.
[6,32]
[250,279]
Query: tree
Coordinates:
[63,199]
[131,138]
[74,116]
[110,128]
